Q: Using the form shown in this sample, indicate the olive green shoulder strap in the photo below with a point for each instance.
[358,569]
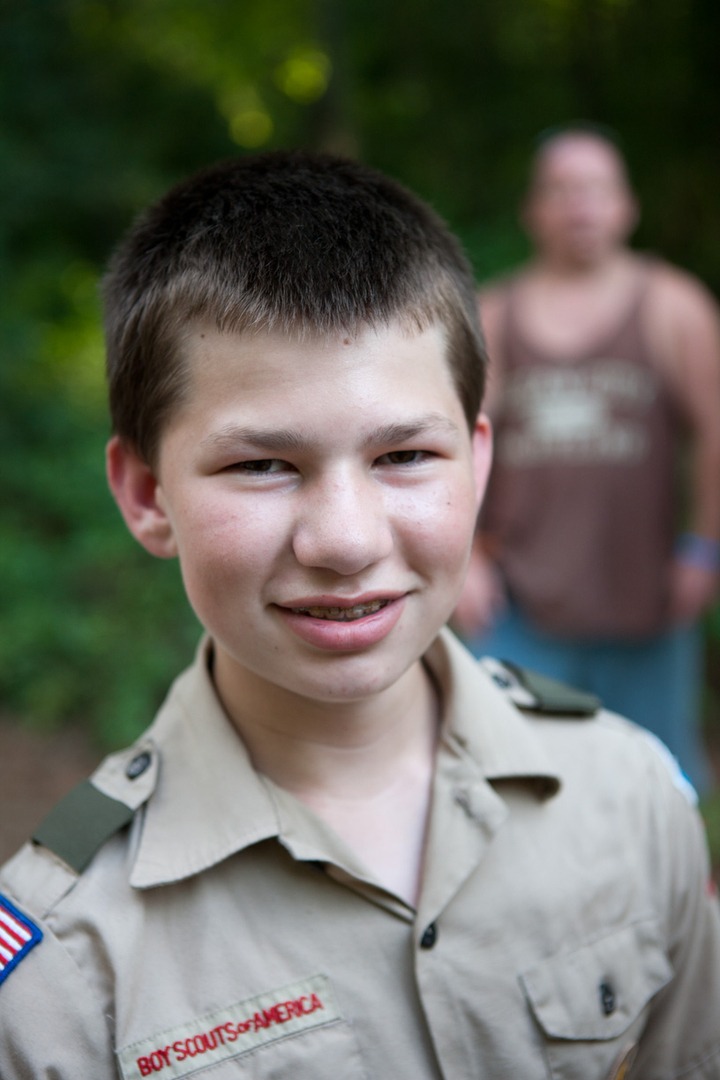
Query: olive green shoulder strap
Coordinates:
[551,697]
[538,694]
[81,823]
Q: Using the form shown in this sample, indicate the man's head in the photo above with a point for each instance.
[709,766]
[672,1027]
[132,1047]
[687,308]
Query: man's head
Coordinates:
[579,207]
[291,242]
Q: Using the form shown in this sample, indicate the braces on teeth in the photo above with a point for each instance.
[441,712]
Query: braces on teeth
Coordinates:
[342,614]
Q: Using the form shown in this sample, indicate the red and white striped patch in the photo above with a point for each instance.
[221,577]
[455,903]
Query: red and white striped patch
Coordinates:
[18,935]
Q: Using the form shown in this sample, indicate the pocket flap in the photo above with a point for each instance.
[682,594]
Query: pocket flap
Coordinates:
[598,990]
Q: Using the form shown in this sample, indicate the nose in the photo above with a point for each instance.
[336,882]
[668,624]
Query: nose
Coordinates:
[343,525]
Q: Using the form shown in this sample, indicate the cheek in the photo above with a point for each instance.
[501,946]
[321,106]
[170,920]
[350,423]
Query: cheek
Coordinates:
[223,553]
[440,532]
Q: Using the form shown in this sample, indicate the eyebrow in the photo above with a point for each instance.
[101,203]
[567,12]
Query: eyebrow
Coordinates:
[277,440]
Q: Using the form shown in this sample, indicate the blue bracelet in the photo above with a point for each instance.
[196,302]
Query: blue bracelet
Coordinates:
[699,551]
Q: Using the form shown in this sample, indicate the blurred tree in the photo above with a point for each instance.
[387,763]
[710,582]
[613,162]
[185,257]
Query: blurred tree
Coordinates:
[88,134]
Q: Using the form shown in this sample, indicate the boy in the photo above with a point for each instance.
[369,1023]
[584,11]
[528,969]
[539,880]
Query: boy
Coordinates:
[343,849]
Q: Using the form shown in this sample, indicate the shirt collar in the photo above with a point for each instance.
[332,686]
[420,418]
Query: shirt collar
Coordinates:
[209,802]
[483,719]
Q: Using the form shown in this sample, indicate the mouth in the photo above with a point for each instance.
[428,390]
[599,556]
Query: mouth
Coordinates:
[342,614]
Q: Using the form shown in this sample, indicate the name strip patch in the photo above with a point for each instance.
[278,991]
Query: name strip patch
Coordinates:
[18,935]
[233,1031]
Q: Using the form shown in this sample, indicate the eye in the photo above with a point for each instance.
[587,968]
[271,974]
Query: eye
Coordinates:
[260,466]
[403,457]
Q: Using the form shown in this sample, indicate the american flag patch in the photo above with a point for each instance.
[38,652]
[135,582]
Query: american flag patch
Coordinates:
[18,935]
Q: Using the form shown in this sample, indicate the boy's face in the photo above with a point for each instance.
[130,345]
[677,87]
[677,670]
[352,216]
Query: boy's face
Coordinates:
[321,496]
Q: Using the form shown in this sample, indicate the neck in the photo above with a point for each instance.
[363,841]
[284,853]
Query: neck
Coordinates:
[328,749]
[562,268]
[364,767]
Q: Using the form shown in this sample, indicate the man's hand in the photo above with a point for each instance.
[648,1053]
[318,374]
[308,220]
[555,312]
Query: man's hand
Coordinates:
[692,589]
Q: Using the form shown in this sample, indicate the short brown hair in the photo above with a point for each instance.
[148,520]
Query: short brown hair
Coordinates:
[287,241]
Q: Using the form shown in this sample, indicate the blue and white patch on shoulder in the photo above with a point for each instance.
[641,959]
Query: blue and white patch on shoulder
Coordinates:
[18,935]
[678,777]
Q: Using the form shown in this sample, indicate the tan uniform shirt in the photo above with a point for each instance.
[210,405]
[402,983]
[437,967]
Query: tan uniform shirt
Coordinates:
[564,924]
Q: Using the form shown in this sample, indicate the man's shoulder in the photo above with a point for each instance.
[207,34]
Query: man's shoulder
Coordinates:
[682,325]
[676,293]
[494,293]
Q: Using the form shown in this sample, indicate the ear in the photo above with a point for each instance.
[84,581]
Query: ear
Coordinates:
[482,455]
[140,499]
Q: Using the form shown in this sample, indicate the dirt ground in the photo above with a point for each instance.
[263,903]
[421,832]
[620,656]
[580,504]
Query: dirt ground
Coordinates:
[36,770]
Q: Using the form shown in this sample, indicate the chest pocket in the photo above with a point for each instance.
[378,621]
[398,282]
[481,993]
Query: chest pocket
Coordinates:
[326,1054]
[591,1002]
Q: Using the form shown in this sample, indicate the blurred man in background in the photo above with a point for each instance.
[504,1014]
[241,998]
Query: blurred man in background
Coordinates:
[593,563]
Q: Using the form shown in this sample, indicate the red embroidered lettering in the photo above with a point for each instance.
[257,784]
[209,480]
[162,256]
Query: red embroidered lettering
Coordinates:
[276,1014]
[260,1020]
[159,1059]
[179,1050]
[237,1029]
[155,1062]
[279,1013]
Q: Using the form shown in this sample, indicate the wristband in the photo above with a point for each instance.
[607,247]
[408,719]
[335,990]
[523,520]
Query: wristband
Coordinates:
[699,551]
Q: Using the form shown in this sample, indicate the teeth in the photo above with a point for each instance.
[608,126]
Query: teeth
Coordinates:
[343,614]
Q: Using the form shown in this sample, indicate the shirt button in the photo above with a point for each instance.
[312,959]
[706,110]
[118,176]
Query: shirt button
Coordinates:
[138,765]
[429,937]
[608,1001]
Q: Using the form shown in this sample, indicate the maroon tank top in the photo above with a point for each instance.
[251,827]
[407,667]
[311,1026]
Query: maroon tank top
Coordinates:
[580,505]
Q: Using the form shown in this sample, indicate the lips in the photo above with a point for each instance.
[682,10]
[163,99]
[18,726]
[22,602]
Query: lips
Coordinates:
[342,614]
[336,627]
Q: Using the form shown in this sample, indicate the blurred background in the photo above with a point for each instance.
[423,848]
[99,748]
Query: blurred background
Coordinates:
[104,104]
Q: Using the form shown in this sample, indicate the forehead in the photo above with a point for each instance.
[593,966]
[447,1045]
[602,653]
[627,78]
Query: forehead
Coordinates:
[576,157]
[305,369]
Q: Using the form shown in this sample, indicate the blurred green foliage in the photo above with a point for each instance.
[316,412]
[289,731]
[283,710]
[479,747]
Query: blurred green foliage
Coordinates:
[104,103]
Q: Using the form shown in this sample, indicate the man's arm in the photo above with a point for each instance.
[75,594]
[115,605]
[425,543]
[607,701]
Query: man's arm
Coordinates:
[493,302]
[483,595]
[684,326]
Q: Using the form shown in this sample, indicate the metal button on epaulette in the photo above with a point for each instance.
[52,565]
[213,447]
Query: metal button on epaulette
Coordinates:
[501,680]
[139,764]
